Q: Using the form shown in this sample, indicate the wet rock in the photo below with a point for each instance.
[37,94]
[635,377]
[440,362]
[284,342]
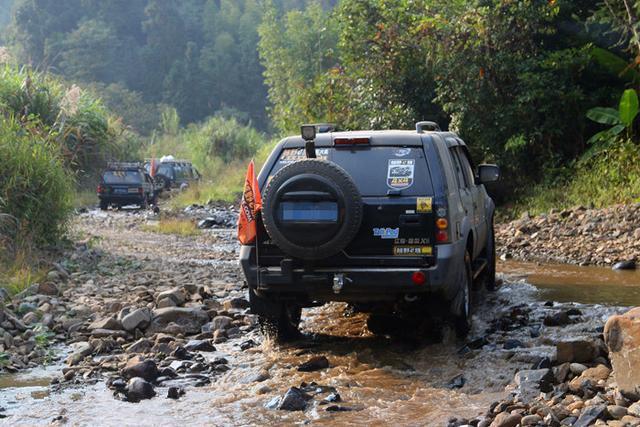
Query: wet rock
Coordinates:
[187,318]
[175,392]
[80,351]
[221,323]
[236,303]
[137,319]
[510,344]
[333,398]
[338,408]
[138,389]
[625,265]
[137,367]
[199,345]
[622,336]
[576,351]
[109,323]
[543,363]
[456,382]
[529,383]
[246,345]
[590,415]
[47,288]
[557,319]
[181,353]
[577,368]
[314,364]
[293,400]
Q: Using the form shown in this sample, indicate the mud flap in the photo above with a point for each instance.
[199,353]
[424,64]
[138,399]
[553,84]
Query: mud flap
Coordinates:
[457,304]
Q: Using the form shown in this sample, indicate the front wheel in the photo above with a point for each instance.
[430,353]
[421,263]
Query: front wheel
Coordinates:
[462,303]
[490,272]
[278,319]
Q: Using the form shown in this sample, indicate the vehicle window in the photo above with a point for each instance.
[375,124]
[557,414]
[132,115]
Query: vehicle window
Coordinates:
[122,177]
[375,170]
[166,170]
[466,166]
[462,179]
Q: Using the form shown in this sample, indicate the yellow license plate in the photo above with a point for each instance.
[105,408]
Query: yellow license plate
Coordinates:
[412,250]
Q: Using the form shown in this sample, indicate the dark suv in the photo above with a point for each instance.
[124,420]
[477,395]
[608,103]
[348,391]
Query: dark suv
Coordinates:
[126,184]
[392,222]
[171,173]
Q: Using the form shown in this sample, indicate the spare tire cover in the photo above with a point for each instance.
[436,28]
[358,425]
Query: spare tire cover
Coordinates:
[311,209]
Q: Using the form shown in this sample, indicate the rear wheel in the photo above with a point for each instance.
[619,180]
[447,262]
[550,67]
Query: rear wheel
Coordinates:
[462,305]
[144,204]
[104,205]
[278,319]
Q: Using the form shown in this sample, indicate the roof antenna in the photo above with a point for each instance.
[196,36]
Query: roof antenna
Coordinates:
[309,135]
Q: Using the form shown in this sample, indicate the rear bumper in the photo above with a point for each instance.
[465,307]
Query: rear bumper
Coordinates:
[122,199]
[359,283]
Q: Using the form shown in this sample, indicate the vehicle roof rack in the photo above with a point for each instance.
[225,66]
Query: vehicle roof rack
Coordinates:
[427,126]
[157,159]
[325,127]
[124,165]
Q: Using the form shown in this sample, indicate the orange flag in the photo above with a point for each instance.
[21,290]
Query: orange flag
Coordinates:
[249,206]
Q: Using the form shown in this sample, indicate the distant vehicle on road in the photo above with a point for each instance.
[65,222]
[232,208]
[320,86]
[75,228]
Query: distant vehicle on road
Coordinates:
[397,223]
[172,173]
[124,184]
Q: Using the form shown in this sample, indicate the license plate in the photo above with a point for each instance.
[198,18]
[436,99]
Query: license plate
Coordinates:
[133,190]
[120,190]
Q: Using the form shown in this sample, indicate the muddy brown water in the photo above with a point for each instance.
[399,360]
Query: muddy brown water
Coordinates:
[383,382]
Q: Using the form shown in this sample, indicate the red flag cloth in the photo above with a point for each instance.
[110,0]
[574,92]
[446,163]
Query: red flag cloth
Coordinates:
[250,205]
[152,168]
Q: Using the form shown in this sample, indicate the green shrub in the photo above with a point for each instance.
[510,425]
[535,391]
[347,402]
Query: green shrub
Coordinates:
[35,186]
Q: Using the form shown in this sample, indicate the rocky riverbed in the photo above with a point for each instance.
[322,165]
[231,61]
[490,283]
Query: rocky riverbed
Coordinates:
[575,236]
[141,328]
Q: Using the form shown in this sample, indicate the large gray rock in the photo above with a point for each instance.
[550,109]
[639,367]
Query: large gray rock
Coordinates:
[137,319]
[177,295]
[80,351]
[109,323]
[529,383]
[137,367]
[189,319]
[139,389]
[590,415]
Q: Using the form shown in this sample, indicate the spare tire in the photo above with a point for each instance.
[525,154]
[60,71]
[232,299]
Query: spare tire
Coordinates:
[311,209]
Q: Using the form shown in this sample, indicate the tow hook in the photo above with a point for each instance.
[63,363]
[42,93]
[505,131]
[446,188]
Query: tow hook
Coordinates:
[338,282]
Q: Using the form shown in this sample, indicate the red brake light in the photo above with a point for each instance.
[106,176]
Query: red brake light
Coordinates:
[352,141]
[418,278]
[100,189]
[442,236]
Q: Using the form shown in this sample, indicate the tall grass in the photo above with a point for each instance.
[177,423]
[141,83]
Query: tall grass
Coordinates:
[35,186]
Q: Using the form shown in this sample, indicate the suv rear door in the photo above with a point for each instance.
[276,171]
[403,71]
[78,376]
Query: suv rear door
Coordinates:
[396,189]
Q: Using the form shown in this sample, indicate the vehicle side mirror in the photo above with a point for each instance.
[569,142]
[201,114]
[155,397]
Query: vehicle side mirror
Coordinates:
[488,173]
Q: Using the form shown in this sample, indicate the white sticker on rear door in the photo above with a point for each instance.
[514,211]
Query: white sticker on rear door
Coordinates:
[400,173]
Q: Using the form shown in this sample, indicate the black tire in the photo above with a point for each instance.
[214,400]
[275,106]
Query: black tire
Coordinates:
[490,271]
[325,240]
[462,318]
[278,320]
[104,205]
[144,204]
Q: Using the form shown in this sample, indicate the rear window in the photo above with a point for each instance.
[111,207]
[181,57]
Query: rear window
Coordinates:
[375,170]
[122,177]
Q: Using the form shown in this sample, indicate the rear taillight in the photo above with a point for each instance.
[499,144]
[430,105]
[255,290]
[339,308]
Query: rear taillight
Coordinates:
[100,189]
[442,225]
[418,278]
[140,190]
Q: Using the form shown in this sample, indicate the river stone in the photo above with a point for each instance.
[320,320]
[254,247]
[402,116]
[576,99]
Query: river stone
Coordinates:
[576,351]
[314,364]
[634,409]
[590,415]
[531,420]
[4,294]
[293,400]
[622,336]
[30,318]
[143,345]
[139,389]
[188,318]
[137,319]
[177,295]
[529,383]
[48,288]
[110,323]
[137,367]
[221,323]
[625,265]
[577,368]
[80,351]
[199,345]
[505,419]
[616,412]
